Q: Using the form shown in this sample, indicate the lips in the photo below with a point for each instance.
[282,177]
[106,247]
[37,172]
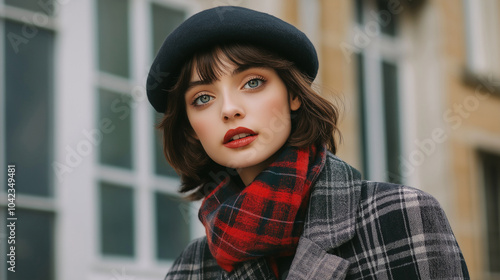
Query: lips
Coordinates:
[242,136]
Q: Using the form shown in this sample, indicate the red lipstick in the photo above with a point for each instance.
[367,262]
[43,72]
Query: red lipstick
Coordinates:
[227,142]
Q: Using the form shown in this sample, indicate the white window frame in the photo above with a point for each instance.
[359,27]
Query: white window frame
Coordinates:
[482,39]
[380,48]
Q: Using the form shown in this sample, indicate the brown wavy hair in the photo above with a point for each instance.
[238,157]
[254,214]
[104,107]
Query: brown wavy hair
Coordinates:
[315,122]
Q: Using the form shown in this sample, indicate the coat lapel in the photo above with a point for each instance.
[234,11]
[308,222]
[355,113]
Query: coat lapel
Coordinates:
[330,222]
[312,262]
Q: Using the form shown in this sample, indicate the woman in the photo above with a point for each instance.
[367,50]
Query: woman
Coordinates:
[246,132]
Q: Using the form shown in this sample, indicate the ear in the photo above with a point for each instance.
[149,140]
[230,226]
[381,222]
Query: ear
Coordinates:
[294,103]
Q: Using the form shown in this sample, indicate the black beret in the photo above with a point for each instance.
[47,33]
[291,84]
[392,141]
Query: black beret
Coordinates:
[226,24]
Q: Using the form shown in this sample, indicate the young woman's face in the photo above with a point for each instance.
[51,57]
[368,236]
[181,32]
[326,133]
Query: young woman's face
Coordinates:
[243,118]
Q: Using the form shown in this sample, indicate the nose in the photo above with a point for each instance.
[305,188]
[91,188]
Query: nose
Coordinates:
[231,107]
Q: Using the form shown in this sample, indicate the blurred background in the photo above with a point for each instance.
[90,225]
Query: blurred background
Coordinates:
[419,81]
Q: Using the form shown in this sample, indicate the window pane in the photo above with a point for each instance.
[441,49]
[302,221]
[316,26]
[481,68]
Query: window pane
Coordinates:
[358,9]
[113,36]
[161,165]
[172,226]
[388,27]
[34,245]
[115,115]
[165,20]
[391,110]
[29,85]
[360,60]
[43,6]
[117,220]
[491,167]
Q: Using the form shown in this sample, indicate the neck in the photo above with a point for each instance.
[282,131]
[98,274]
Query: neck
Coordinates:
[248,174]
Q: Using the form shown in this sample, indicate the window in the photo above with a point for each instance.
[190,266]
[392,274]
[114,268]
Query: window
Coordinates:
[114,45]
[378,55]
[116,146]
[482,37]
[170,239]
[491,179]
[135,181]
[117,223]
[26,124]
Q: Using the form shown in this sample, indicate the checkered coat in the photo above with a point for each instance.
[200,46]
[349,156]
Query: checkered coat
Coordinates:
[354,229]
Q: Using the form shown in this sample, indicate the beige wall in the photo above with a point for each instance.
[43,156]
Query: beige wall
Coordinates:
[479,128]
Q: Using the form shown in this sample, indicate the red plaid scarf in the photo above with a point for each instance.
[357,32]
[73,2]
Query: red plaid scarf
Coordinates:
[266,218]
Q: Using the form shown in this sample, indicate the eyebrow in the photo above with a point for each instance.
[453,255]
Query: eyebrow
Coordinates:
[236,71]
[196,83]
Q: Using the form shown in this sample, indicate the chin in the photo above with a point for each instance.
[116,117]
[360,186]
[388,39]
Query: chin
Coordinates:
[242,161]
[239,164]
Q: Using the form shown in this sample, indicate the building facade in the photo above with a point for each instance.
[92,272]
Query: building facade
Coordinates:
[418,83]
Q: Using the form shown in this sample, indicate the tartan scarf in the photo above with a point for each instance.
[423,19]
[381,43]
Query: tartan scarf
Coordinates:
[265,218]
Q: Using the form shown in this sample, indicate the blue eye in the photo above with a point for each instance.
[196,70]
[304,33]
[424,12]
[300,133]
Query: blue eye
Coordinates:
[254,83]
[202,100]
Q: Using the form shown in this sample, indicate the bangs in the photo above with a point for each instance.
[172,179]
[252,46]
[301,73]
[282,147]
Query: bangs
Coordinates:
[211,65]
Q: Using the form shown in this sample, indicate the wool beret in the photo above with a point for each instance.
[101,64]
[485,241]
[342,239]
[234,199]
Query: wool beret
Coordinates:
[223,25]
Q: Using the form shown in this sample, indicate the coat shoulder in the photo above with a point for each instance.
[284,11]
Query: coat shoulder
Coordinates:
[413,207]
[403,231]
[396,193]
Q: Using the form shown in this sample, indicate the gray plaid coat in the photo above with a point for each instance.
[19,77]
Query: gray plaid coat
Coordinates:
[354,229]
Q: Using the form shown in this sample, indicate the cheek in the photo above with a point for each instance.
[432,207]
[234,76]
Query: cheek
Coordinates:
[280,104]
[277,109]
